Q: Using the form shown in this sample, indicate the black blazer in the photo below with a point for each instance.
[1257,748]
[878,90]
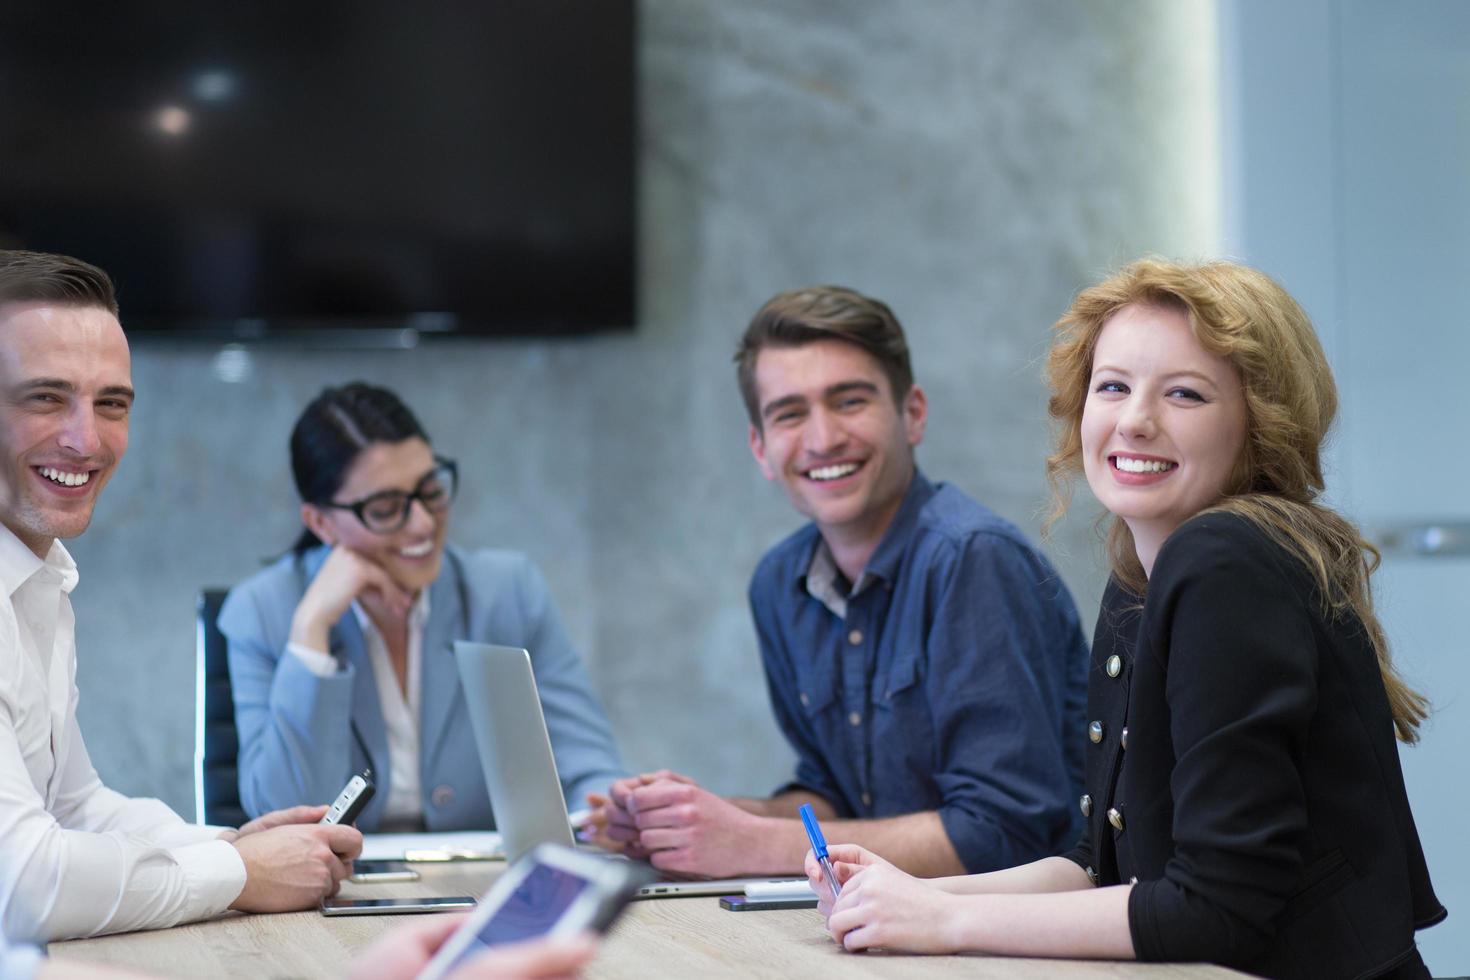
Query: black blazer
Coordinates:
[1242,770]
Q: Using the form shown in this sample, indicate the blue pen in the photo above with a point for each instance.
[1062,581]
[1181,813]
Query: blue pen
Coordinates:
[819,846]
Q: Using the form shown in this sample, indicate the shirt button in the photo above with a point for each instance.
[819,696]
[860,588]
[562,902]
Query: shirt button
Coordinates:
[805,700]
[855,637]
[1115,665]
[442,796]
[1086,805]
[855,719]
[1095,732]
[1115,817]
[1123,737]
[867,799]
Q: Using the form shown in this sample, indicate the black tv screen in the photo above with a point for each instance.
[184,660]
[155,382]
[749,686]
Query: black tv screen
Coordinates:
[267,167]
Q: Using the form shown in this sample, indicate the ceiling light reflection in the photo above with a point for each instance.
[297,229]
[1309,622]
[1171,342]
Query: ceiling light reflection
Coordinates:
[214,86]
[172,120]
[233,364]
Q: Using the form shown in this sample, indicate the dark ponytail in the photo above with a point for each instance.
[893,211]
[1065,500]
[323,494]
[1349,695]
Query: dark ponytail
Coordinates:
[338,425]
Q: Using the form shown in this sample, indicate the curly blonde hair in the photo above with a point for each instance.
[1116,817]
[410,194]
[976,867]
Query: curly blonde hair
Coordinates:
[1245,317]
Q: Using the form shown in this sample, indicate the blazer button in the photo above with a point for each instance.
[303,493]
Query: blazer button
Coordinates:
[442,796]
[1115,665]
[1115,817]
[1086,805]
[1095,732]
[1133,880]
[1123,737]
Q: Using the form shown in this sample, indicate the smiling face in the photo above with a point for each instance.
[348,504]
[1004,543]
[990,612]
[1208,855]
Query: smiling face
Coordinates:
[65,396]
[1163,425]
[833,437]
[411,555]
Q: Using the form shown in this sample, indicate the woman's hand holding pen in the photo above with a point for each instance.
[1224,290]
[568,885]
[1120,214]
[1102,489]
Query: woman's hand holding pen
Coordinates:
[846,860]
[881,906]
[344,577]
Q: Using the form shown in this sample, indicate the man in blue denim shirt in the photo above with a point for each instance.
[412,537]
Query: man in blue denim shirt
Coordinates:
[923,659]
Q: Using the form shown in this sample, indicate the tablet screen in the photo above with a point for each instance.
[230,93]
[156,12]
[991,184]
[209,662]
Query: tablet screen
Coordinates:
[532,909]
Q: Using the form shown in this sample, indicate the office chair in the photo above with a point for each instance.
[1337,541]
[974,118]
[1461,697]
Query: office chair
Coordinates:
[216,744]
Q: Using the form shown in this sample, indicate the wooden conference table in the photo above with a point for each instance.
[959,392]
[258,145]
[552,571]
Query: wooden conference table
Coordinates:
[678,937]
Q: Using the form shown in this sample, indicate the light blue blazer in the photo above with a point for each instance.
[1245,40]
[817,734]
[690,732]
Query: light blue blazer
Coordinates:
[303,736]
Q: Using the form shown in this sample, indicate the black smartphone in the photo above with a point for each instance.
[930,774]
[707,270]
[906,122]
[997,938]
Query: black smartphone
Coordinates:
[739,903]
[351,800]
[370,871]
[396,906]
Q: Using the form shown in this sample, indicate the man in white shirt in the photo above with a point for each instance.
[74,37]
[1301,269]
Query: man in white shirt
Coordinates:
[77,859]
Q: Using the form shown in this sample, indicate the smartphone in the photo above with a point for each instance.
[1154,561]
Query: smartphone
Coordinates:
[742,903]
[552,891]
[351,800]
[396,906]
[371,871]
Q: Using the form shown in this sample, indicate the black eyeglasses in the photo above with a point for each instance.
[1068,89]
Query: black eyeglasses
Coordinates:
[387,511]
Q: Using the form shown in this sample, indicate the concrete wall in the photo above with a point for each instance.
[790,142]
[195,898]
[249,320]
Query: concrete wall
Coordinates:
[971,163]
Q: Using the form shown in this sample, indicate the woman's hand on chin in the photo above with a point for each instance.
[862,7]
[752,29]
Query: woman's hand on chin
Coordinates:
[880,906]
[343,577]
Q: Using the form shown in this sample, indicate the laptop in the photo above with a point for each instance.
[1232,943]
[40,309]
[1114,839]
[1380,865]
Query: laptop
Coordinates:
[520,770]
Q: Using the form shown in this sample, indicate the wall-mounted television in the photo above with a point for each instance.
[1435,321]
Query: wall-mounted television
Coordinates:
[264,169]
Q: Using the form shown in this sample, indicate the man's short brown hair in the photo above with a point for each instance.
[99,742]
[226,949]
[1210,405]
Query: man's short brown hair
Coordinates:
[27,277]
[803,316]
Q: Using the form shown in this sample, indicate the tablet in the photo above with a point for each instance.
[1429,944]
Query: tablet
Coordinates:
[552,891]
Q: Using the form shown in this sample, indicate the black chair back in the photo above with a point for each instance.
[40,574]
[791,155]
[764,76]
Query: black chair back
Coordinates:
[216,744]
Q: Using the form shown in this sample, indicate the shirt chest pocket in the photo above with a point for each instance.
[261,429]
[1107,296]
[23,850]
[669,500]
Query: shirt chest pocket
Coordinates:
[897,685]
[902,719]
[815,697]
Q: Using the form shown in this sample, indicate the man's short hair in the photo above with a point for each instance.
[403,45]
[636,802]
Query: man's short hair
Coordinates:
[803,316]
[27,277]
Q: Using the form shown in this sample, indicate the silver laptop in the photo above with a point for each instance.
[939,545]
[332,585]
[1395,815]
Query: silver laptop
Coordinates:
[520,770]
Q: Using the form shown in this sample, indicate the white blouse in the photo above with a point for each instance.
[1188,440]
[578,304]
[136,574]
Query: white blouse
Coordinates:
[403,804]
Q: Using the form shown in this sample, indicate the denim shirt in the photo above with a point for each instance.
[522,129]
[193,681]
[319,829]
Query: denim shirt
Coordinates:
[955,681]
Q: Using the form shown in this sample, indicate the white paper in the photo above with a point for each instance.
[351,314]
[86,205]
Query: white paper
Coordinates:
[461,845]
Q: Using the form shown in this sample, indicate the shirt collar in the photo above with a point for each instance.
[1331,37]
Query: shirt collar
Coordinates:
[19,563]
[418,614]
[823,580]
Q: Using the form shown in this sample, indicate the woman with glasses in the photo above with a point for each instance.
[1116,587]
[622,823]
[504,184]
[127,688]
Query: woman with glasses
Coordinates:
[341,652]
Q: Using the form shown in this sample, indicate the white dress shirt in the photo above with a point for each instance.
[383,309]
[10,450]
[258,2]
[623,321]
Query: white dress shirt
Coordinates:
[403,808]
[76,858]
[19,962]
